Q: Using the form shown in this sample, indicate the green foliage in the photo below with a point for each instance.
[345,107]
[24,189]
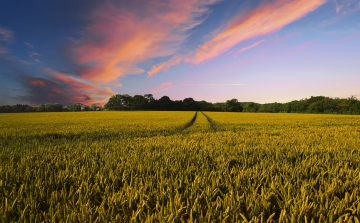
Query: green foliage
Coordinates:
[177,167]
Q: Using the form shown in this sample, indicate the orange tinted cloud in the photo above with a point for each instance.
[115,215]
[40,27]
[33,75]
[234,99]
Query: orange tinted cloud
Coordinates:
[218,84]
[265,19]
[163,87]
[37,82]
[279,39]
[164,67]
[248,47]
[82,91]
[117,39]
[304,45]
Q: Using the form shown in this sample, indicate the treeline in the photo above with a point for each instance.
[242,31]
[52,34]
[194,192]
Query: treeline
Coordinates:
[124,102]
[318,105]
[48,108]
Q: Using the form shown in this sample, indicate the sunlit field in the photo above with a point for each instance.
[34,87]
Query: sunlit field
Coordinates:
[179,167]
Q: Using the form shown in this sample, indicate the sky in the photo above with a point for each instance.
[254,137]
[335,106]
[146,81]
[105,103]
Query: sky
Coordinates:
[69,51]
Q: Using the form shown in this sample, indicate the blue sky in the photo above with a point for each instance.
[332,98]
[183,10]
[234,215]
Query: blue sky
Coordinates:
[262,51]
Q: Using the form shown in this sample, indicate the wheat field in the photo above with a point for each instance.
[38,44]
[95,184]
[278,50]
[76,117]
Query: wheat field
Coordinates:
[179,167]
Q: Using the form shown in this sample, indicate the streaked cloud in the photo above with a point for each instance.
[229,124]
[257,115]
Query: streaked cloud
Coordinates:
[78,87]
[25,62]
[346,6]
[343,8]
[304,45]
[6,35]
[34,54]
[163,87]
[280,39]
[164,67]
[248,47]
[218,84]
[4,49]
[119,37]
[61,88]
[29,45]
[265,19]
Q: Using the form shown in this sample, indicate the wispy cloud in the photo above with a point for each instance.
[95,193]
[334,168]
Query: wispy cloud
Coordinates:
[280,39]
[25,62]
[164,67]
[117,38]
[29,45]
[78,88]
[345,39]
[338,6]
[265,19]
[304,45]
[218,84]
[4,49]
[6,35]
[343,8]
[248,47]
[34,54]
[163,87]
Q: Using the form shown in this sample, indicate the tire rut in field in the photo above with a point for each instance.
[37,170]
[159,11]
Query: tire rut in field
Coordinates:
[189,124]
[213,124]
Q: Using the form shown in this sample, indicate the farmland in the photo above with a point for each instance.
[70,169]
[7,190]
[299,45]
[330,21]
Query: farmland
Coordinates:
[179,167]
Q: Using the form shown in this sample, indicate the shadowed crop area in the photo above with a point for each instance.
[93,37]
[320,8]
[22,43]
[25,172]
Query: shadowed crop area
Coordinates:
[179,167]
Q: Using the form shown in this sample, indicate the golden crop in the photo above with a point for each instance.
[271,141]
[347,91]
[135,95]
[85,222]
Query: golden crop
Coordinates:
[161,167]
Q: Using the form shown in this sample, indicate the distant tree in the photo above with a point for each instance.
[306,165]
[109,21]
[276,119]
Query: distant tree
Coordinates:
[6,109]
[87,108]
[139,102]
[151,102]
[75,107]
[41,108]
[233,105]
[251,107]
[95,107]
[30,109]
[53,107]
[190,104]
[165,103]
[19,107]
[205,106]
[219,106]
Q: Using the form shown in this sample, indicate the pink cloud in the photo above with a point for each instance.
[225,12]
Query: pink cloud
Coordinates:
[304,46]
[6,35]
[218,84]
[248,47]
[4,49]
[38,82]
[343,8]
[349,38]
[163,87]
[34,54]
[79,88]
[265,19]
[118,38]
[28,45]
[280,39]
[164,67]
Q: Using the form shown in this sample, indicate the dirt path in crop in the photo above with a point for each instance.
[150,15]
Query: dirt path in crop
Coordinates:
[214,126]
[201,124]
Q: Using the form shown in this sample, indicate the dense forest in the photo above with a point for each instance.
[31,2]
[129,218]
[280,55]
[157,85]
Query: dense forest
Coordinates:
[124,102]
